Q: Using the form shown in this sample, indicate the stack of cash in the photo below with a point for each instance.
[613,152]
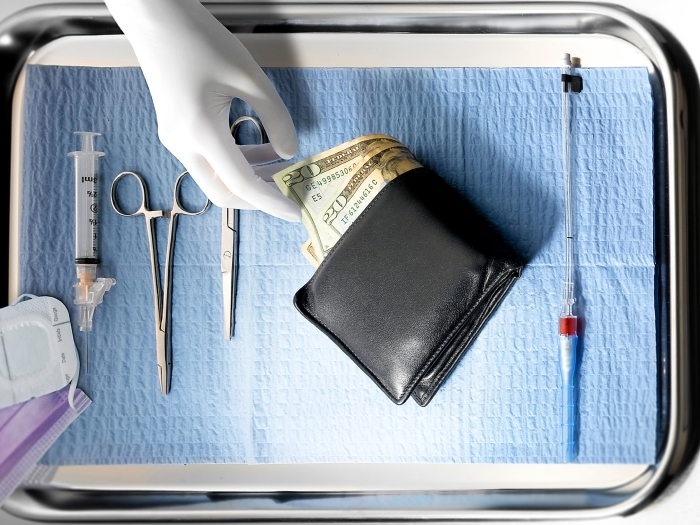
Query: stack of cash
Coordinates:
[333,188]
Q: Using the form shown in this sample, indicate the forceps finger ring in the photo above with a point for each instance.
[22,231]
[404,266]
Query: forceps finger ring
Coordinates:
[177,204]
[143,208]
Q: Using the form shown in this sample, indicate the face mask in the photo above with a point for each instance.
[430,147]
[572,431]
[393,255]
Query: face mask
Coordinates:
[28,429]
[37,352]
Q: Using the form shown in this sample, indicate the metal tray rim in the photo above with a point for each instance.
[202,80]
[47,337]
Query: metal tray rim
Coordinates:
[597,18]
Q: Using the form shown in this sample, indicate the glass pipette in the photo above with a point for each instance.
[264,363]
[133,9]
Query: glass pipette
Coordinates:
[89,290]
[568,336]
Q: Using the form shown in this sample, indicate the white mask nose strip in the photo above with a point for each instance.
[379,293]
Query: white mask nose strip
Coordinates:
[37,351]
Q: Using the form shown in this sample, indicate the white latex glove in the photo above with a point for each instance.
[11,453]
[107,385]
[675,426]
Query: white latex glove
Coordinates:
[194,66]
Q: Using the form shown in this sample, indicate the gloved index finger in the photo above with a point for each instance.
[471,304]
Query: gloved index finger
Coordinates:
[274,116]
[212,186]
[259,154]
[222,153]
[266,172]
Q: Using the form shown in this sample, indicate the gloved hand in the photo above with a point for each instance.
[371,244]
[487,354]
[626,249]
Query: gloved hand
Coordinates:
[194,66]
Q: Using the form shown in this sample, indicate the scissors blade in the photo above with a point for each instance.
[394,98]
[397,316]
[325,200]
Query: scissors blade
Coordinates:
[229,258]
[228,304]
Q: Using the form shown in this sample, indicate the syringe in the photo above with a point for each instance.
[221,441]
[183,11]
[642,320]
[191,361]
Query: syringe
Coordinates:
[568,330]
[89,290]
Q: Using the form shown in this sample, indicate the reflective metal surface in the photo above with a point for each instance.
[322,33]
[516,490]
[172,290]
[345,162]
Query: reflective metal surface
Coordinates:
[675,97]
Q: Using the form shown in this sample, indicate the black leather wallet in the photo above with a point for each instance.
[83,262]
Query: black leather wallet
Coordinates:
[408,287]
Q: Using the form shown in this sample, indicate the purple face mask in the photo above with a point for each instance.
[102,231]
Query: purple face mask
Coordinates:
[28,429]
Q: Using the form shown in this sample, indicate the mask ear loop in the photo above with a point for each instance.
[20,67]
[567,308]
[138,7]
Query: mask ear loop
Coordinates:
[22,297]
[74,380]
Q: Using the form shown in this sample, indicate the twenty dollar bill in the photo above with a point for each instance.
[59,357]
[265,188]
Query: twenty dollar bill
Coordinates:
[311,182]
[334,187]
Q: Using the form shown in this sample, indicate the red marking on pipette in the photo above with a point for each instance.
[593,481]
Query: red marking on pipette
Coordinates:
[567,325]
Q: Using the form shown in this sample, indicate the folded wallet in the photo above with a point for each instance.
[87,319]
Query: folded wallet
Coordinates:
[410,284]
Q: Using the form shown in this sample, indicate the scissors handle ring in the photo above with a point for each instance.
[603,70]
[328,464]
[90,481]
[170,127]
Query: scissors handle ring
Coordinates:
[177,205]
[143,208]
[240,120]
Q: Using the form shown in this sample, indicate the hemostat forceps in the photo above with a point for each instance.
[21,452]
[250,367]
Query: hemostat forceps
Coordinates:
[161,298]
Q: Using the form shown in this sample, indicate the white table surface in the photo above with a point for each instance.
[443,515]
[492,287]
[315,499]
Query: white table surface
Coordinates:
[680,503]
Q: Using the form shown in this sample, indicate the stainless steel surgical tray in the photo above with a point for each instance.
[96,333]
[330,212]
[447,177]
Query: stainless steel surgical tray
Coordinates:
[366,35]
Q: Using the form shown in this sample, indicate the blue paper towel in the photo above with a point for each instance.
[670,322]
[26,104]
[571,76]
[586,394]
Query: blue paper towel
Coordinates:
[280,391]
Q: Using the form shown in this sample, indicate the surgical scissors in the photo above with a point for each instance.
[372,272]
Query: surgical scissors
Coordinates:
[230,240]
[161,299]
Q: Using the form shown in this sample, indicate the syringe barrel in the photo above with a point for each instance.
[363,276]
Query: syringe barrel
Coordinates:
[85,164]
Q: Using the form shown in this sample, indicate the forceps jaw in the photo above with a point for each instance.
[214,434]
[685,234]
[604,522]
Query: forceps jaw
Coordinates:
[164,360]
